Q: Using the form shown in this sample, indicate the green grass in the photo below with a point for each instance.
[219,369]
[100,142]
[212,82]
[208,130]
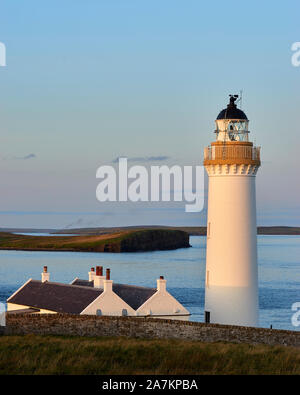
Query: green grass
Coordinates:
[123,241]
[32,354]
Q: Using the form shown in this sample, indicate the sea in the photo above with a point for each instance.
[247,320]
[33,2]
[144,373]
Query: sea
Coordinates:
[184,270]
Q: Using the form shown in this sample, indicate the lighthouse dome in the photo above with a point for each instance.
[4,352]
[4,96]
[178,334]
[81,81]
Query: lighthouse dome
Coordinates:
[232,112]
[232,123]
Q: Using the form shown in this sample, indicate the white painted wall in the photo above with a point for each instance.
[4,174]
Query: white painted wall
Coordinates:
[45,277]
[231,291]
[163,304]
[98,281]
[13,306]
[109,303]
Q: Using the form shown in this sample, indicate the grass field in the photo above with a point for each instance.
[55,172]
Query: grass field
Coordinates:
[32,354]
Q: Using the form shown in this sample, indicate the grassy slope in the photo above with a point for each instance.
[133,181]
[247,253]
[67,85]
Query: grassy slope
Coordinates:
[33,354]
[61,243]
[141,240]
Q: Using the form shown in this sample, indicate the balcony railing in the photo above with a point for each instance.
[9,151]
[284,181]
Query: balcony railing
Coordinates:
[232,152]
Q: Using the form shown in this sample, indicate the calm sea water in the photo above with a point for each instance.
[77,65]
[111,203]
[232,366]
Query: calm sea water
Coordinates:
[184,269]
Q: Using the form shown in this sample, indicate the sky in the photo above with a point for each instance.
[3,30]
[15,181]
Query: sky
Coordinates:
[89,81]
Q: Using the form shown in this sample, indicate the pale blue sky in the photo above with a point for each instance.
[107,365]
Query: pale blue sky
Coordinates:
[88,81]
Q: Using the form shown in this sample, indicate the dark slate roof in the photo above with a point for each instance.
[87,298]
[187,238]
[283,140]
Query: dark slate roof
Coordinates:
[134,296]
[61,298]
[232,113]
[85,283]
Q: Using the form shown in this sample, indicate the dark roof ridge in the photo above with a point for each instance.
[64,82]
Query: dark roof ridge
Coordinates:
[67,285]
[136,286]
[114,283]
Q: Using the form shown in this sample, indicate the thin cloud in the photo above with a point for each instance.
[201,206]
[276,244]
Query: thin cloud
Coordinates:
[160,158]
[26,157]
[29,156]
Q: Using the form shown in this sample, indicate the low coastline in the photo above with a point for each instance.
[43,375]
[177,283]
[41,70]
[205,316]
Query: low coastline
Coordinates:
[121,241]
[191,230]
[113,239]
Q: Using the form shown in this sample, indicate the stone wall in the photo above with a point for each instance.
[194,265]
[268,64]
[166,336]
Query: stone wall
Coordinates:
[88,325]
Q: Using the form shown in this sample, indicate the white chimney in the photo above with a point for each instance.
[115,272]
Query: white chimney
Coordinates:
[161,284]
[92,274]
[107,283]
[98,277]
[45,275]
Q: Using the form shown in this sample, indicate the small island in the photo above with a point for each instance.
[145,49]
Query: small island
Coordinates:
[122,241]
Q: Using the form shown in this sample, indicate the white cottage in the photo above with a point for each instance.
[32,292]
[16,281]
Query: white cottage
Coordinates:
[98,295]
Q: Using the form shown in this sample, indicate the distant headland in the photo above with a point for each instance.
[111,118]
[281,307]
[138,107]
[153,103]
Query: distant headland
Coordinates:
[191,230]
[113,241]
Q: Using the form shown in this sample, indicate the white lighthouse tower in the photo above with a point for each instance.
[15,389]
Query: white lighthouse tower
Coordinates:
[231,161]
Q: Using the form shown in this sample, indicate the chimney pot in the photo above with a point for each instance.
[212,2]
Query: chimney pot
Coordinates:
[98,278]
[92,274]
[161,284]
[45,275]
[107,283]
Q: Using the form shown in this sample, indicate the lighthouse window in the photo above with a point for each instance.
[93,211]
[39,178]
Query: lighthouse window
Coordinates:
[230,126]
[98,312]
[124,313]
[207,279]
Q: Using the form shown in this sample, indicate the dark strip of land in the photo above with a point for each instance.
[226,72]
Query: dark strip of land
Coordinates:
[191,230]
[119,241]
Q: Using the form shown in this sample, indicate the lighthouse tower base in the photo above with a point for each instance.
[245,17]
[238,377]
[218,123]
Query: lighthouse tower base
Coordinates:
[231,306]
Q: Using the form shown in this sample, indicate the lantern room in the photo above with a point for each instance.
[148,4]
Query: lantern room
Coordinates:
[232,123]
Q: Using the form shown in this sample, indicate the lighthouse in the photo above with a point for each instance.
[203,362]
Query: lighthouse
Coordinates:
[231,162]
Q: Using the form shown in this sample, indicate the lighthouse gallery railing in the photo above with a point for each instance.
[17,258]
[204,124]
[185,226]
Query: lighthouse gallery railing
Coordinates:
[231,152]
